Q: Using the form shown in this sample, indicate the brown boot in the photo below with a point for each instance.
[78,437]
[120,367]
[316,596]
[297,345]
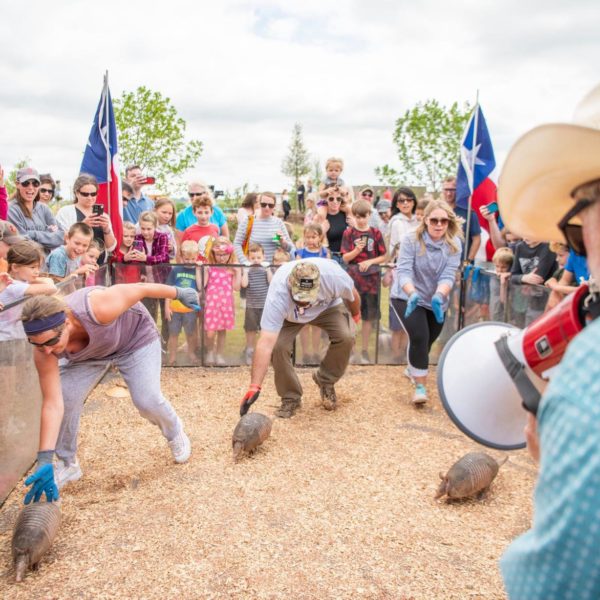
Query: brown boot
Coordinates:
[328,396]
[288,408]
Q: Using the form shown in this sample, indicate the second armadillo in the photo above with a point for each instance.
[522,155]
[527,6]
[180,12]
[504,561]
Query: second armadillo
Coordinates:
[34,532]
[472,474]
[250,432]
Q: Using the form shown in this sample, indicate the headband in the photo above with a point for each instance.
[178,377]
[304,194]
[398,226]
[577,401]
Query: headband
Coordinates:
[44,324]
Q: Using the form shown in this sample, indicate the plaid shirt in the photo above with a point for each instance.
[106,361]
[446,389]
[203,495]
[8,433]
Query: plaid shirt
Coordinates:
[366,282]
[160,248]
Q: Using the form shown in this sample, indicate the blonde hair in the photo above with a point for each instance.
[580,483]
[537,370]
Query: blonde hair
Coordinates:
[149,217]
[128,225]
[453,231]
[315,228]
[556,247]
[281,255]
[215,241]
[334,160]
[504,256]
[189,246]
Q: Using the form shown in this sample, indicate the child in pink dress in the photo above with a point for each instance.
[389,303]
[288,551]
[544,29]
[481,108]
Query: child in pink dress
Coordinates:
[219,311]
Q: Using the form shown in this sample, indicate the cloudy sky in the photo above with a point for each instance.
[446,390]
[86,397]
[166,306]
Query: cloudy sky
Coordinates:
[242,73]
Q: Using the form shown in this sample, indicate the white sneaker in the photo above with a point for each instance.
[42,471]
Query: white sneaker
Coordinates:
[420,396]
[210,358]
[249,355]
[181,447]
[66,473]
[220,361]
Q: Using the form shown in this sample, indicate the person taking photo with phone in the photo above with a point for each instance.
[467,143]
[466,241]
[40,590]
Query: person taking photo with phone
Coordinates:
[85,210]
[138,202]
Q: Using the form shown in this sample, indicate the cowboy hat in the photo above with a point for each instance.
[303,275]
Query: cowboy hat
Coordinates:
[544,167]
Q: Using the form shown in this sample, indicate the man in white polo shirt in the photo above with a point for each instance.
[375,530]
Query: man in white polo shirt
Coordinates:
[314,291]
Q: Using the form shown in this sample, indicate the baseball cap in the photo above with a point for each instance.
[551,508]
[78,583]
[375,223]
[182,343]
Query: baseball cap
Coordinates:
[383,206]
[26,174]
[7,235]
[304,281]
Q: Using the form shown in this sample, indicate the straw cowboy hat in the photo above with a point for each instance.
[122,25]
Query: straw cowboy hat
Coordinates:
[543,168]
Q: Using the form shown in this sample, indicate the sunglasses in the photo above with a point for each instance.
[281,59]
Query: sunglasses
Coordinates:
[51,342]
[332,199]
[88,194]
[47,191]
[194,194]
[404,200]
[32,182]
[267,205]
[442,221]
[573,232]
[368,194]
[449,190]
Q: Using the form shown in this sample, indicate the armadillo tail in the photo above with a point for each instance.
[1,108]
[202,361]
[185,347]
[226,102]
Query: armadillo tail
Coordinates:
[21,563]
[505,459]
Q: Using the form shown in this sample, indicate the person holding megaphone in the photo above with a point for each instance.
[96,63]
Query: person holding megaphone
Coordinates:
[549,189]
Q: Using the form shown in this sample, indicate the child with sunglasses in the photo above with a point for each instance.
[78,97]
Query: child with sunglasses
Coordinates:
[24,261]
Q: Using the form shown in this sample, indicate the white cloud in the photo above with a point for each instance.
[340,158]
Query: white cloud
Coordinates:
[241,73]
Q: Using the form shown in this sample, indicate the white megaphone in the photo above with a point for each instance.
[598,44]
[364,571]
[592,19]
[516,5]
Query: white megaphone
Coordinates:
[490,374]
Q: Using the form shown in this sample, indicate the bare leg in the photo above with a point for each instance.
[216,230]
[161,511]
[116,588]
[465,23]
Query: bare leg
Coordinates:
[367,327]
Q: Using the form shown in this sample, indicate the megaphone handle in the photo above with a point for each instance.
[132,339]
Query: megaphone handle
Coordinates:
[529,393]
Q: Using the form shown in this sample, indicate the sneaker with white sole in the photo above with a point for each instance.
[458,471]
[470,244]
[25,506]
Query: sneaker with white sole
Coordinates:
[420,396]
[220,361]
[181,447]
[66,473]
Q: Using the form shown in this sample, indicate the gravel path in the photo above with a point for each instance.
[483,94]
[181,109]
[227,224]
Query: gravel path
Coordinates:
[334,505]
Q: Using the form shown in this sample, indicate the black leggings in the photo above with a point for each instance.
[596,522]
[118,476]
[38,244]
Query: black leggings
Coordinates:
[422,330]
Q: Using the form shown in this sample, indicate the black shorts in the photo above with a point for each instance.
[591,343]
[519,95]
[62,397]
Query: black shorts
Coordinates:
[252,318]
[369,307]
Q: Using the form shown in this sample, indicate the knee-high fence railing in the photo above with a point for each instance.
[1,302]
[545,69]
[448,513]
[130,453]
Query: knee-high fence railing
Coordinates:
[223,333]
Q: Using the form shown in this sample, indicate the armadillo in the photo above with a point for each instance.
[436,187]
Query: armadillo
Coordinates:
[250,432]
[34,532]
[472,474]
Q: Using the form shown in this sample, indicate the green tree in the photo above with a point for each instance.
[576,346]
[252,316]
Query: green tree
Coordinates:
[297,163]
[427,138]
[11,179]
[317,172]
[152,135]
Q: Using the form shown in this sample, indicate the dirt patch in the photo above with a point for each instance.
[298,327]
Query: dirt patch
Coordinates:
[333,505]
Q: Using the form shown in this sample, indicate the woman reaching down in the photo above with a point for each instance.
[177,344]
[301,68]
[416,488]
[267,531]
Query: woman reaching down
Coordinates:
[90,329]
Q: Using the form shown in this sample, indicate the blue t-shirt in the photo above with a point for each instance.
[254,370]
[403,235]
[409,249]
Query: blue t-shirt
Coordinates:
[558,557]
[474,227]
[577,265]
[304,253]
[135,208]
[182,276]
[59,264]
[186,218]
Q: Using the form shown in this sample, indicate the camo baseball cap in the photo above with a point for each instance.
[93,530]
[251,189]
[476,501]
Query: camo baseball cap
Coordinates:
[305,280]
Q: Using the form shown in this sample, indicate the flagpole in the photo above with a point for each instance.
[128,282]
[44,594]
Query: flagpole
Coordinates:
[108,155]
[471,181]
[471,178]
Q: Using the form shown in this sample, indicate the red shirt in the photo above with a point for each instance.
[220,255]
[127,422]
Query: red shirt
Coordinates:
[195,232]
[366,282]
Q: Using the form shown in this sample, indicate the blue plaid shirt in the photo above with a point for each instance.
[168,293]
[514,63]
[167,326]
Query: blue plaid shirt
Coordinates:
[559,557]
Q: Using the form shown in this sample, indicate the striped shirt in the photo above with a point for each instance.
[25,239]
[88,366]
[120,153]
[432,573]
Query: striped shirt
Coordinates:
[263,231]
[258,286]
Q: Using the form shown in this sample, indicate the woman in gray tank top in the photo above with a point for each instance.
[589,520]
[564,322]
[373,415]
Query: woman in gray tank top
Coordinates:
[91,329]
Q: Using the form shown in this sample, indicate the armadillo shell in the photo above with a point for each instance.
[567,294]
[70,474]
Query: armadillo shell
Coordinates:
[252,430]
[35,530]
[473,473]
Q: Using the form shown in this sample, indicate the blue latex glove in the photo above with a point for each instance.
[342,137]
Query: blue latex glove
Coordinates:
[467,271]
[437,303]
[476,271]
[43,482]
[413,299]
[188,297]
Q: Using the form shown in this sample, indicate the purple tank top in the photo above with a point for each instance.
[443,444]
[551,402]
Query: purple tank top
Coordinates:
[133,330]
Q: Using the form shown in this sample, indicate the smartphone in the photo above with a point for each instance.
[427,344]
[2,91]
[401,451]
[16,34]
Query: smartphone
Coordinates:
[138,245]
[148,181]
[365,238]
[97,209]
[492,207]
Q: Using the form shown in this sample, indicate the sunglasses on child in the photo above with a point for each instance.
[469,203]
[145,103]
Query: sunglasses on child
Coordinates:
[335,199]
[47,191]
[32,182]
[442,221]
[51,342]
[368,194]
[573,232]
[88,194]
[267,205]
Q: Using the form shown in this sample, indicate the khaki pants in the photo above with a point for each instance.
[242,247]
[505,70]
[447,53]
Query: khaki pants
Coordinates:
[339,326]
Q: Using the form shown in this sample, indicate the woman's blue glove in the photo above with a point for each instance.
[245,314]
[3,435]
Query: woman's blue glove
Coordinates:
[43,483]
[437,303]
[413,299]
[188,297]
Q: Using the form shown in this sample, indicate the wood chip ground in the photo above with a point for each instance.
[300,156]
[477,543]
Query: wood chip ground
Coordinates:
[333,505]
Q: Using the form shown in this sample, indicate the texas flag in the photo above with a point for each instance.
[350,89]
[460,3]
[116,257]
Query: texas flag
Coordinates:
[476,179]
[101,160]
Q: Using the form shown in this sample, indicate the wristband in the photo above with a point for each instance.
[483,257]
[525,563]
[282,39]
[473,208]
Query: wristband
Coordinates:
[44,457]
